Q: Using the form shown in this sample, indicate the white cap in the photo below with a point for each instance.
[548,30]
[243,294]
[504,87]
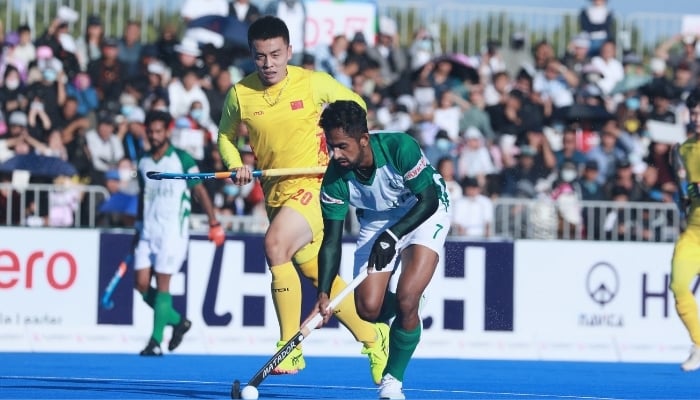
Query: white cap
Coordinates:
[188,46]
[657,65]
[67,42]
[136,115]
[67,14]
[18,118]
[689,38]
[156,67]
[473,133]
[387,26]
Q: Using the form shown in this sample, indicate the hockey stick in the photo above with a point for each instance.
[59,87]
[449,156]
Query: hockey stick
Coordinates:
[231,174]
[106,300]
[296,340]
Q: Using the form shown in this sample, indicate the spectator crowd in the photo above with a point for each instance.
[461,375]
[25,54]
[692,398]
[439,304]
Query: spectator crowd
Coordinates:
[517,120]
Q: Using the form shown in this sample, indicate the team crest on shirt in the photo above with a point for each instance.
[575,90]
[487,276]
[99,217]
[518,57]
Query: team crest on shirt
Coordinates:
[325,198]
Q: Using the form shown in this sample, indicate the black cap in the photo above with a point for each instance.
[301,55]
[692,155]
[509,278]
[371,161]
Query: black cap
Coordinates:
[592,165]
[469,181]
[624,163]
[110,42]
[359,38]
[105,117]
[94,20]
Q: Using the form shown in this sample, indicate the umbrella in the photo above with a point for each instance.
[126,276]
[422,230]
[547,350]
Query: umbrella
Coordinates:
[120,203]
[461,68]
[630,83]
[38,165]
[587,112]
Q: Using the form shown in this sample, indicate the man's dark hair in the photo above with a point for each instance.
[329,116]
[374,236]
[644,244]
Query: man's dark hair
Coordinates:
[267,27]
[693,99]
[346,115]
[156,115]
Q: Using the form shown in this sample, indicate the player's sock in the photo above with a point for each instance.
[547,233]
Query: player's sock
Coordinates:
[150,296]
[402,344]
[687,309]
[286,295]
[163,314]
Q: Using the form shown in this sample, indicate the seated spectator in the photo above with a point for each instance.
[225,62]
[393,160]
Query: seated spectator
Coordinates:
[611,67]
[442,147]
[598,22]
[569,151]
[104,146]
[185,91]
[577,55]
[625,178]
[81,89]
[89,45]
[447,169]
[474,114]
[25,49]
[607,155]
[330,58]
[474,158]
[13,92]
[473,213]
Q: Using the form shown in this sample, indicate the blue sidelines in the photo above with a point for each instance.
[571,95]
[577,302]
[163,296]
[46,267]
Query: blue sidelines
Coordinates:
[124,376]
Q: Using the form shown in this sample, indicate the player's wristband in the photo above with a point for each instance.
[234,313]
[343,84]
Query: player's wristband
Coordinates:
[215,224]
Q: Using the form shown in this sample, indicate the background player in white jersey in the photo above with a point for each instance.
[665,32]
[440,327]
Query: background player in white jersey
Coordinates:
[162,229]
[403,209]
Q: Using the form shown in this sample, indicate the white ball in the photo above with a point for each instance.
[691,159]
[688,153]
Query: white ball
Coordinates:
[249,393]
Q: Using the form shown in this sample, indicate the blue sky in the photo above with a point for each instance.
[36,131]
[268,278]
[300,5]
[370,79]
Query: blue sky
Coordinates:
[624,7]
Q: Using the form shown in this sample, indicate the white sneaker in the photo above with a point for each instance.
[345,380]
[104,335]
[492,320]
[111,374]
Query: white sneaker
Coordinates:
[391,388]
[693,361]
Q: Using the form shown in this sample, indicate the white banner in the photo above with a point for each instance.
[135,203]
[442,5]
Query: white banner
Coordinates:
[598,301]
[326,19]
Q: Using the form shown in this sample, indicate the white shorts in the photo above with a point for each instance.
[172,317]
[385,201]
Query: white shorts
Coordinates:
[431,234]
[165,254]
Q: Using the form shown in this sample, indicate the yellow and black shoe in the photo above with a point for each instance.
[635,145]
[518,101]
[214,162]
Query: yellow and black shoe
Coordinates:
[292,364]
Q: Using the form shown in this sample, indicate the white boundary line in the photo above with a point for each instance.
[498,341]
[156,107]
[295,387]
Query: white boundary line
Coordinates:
[335,387]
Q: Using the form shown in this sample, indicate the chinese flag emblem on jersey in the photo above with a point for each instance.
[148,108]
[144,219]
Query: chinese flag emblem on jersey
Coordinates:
[297,104]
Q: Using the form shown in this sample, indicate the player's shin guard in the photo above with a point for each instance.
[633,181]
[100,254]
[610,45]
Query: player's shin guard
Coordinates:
[402,344]
[687,309]
[346,312]
[163,314]
[286,295]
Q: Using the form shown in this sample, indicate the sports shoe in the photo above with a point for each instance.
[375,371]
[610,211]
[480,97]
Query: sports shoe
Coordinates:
[693,361]
[179,331]
[293,363]
[391,388]
[152,349]
[378,353]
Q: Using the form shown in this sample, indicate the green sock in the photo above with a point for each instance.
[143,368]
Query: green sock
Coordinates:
[402,344]
[388,310]
[163,314]
[150,296]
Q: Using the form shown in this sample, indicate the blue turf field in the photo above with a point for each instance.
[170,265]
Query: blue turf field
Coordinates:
[121,376]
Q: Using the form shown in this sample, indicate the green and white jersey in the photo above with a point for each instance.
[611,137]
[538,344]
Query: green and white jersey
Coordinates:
[402,171]
[167,203]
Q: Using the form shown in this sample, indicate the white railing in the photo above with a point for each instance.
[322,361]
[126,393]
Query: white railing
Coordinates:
[600,220]
[29,205]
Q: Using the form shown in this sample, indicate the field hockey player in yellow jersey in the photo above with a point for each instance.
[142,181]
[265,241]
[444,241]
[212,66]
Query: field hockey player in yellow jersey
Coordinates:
[281,106]
[686,254]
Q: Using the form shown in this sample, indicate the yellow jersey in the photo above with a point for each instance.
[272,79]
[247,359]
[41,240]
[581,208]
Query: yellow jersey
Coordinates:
[690,154]
[282,121]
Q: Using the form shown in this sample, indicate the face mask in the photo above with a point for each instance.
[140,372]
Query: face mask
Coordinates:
[568,175]
[232,190]
[126,109]
[125,175]
[632,125]
[50,75]
[443,144]
[160,108]
[197,114]
[12,84]
[632,103]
